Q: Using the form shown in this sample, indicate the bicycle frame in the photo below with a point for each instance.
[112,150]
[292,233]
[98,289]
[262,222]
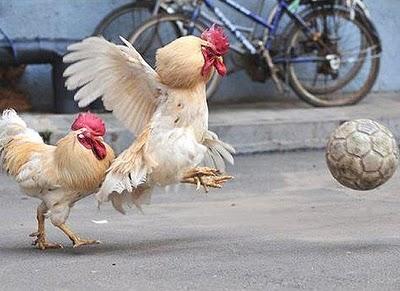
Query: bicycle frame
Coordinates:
[282,8]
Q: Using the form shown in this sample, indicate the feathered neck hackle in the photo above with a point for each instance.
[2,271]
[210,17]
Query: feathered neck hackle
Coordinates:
[188,61]
[78,168]
[179,63]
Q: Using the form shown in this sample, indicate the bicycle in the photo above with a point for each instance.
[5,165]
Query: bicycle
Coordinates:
[125,19]
[314,62]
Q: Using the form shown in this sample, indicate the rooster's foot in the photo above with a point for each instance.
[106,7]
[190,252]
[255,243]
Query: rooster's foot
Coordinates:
[76,240]
[83,242]
[41,242]
[206,177]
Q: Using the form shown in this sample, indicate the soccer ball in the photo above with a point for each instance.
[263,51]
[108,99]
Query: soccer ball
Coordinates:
[362,154]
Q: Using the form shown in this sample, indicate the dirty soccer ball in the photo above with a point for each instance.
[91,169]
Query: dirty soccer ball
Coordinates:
[362,154]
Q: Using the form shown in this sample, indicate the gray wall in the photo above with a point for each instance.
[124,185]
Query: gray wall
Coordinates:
[76,19]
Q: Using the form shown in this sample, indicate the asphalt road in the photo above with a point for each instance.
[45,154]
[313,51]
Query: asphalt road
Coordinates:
[283,223]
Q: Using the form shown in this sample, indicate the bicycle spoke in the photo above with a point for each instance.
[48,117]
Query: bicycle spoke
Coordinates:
[315,80]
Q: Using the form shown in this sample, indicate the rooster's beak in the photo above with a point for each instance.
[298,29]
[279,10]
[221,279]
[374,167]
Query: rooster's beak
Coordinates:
[208,44]
[204,43]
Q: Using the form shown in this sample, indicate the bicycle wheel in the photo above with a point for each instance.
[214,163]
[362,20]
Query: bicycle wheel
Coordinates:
[348,63]
[161,30]
[125,19]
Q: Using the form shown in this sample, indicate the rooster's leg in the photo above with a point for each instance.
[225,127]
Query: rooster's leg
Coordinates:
[76,240]
[206,177]
[41,241]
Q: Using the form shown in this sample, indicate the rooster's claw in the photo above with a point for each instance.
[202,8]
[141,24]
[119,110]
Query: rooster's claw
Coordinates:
[85,242]
[41,242]
[206,177]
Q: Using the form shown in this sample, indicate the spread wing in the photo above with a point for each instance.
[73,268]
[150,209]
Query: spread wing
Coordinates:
[217,151]
[119,75]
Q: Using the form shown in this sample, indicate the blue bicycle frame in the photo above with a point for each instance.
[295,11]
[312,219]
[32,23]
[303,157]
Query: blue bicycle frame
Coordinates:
[283,7]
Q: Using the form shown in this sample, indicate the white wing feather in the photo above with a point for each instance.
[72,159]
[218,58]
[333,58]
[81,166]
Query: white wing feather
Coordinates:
[217,151]
[118,74]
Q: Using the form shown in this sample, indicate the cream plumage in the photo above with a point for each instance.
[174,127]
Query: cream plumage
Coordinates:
[118,74]
[58,175]
[166,108]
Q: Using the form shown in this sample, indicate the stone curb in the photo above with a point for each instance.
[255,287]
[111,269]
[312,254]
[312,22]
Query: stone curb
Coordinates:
[256,127]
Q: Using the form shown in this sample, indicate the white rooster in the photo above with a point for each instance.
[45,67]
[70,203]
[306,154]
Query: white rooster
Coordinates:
[166,108]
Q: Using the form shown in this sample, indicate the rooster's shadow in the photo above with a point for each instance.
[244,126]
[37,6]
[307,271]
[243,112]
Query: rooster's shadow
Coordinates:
[136,248]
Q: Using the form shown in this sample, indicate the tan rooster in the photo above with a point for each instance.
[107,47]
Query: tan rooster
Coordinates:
[166,108]
[58,175]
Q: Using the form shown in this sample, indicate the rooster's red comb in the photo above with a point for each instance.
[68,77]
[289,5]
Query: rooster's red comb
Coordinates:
[91,122]
[216,36]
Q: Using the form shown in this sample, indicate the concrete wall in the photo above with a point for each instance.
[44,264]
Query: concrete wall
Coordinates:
[76,19]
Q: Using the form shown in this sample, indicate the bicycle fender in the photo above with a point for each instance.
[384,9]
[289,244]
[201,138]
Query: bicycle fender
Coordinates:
[365,20]
[363,17]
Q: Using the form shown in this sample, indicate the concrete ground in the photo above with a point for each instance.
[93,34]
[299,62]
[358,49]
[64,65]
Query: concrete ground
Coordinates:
[283,223]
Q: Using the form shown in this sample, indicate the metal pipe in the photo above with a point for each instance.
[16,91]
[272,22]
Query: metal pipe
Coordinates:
[42,51]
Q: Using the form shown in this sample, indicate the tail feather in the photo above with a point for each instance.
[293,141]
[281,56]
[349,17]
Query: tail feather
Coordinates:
[137,197]
[126,177]
[11,126]
[11,116]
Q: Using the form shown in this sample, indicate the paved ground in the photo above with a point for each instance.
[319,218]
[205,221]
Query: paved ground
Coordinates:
[281,224]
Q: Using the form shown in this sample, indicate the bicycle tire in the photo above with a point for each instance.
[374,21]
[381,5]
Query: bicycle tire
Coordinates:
[214,82]
[311,96]
[120,11]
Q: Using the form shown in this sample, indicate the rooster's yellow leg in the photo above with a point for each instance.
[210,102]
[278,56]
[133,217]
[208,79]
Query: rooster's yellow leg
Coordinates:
[207,177]
[76,240]
[41,241]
